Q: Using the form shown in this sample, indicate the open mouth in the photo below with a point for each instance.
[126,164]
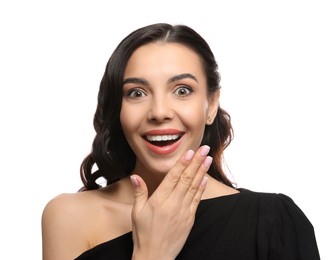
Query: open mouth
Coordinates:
[163,140]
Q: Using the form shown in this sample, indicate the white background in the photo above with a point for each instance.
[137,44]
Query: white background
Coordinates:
[277,62]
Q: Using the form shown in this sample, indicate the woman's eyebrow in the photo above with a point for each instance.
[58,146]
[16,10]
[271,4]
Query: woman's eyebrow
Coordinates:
[136,81]
[170,80]
[182,76]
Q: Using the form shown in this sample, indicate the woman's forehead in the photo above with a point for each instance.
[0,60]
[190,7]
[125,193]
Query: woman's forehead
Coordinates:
[162,57]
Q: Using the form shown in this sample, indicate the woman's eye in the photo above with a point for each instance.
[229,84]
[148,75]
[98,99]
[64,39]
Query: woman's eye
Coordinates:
[135,93]
[183,91]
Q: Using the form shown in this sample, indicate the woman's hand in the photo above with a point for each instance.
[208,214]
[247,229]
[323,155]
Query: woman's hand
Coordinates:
[162,223]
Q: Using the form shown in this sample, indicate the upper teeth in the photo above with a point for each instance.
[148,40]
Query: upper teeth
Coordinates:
[162,137]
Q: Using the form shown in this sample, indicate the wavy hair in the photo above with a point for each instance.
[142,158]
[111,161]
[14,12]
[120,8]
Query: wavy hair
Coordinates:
[110,149]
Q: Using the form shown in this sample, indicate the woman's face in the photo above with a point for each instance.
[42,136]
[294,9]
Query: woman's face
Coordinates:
[165,104]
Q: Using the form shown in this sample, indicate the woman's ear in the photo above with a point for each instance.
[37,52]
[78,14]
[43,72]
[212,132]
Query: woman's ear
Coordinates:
[214,101]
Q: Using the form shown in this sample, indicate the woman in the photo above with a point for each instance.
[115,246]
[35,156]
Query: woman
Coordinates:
[160,138]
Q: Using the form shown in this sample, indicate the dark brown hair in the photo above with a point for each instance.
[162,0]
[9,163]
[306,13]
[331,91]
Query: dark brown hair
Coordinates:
[110,150]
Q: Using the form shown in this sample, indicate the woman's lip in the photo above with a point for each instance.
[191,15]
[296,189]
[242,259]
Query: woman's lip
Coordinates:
[163,150]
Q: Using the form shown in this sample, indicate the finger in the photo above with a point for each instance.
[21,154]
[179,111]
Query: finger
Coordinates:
[197,185]
[193,173]
[140,193]
[173,176]
[197,198]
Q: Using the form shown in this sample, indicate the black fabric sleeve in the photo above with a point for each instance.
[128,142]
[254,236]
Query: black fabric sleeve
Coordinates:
[292,235]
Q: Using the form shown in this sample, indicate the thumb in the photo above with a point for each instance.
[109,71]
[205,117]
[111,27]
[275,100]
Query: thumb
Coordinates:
[140,193]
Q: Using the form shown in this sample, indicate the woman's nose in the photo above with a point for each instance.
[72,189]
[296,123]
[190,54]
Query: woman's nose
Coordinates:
[161,110]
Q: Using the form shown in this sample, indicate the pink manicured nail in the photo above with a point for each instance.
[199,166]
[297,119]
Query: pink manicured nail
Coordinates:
[204,150]
[203,181]
[208,161]
[189,155]
[134,181]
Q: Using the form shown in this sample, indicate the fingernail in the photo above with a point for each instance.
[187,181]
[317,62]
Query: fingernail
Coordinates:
[134,181]
[204,150]
[208,161]
[189,155]
[203,181]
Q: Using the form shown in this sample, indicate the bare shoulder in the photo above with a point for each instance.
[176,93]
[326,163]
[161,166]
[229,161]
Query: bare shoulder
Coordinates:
[75,222]
[63,223]
[64,209]
[61,201]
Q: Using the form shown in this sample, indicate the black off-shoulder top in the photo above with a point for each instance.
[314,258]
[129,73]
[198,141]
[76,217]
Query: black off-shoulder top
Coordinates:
[247,225]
